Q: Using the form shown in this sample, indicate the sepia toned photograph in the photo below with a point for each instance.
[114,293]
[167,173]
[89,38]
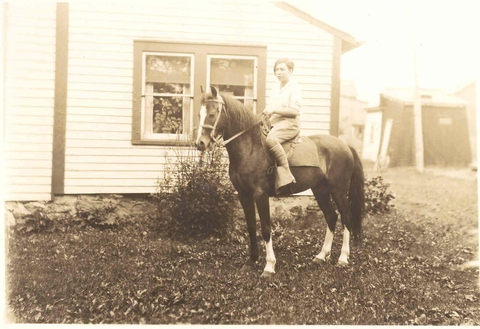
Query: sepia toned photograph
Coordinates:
[250,162]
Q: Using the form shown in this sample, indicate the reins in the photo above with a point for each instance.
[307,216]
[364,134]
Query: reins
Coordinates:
[261,115]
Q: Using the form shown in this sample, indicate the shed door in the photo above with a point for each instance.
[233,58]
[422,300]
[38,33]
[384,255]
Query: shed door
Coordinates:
[371,138]
[446,140]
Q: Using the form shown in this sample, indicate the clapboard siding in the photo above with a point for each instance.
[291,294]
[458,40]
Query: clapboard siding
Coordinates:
[27,155]
[29,100]
[88,136]
[103,112]
[111,182]
[34,172]
[118,151]
[95,78]
[109,174]
[29,120]
[27,139]
[101,95]
[30,164]
[119,159]
[101,103]
[17,191]
[111,189]
[31,130]
[26,147]
[114,87]
[98,117]
[99,155]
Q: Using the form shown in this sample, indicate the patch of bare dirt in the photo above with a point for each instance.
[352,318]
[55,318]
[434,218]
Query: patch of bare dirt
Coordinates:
[443,200]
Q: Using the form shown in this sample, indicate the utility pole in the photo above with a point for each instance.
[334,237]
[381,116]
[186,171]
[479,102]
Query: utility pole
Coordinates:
[417,105]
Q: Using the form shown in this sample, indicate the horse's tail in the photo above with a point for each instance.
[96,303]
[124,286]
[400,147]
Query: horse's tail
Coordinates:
[357,195]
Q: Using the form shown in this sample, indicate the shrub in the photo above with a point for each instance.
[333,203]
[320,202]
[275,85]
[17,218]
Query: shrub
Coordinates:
[99,211]
[35,222]
[377,197]
[195,192]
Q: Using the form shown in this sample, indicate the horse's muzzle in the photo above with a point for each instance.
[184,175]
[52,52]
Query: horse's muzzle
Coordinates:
[203,144]
[200,146]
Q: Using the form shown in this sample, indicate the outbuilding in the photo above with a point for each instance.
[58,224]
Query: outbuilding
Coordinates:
[444,122]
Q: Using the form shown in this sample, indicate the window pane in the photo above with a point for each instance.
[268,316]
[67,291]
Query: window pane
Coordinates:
[237,91]
[232,71]
[170,88]
[171,69]
[168,114]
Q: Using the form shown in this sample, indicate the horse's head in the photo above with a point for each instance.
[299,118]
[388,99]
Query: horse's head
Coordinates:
[211,120]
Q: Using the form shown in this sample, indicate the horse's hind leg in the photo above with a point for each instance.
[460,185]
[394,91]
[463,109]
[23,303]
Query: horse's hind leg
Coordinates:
[340,198]
[322,195]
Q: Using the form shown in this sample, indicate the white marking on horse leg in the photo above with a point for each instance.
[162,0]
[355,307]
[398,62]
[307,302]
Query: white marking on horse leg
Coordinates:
[203,116]
[324,254]
[270,256]
[343,259]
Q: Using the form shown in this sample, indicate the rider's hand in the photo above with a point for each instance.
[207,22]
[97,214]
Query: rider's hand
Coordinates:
[268,111]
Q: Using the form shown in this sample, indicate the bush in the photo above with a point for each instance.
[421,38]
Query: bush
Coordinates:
[35,222]
[99,211]
[196,193]
[377,197]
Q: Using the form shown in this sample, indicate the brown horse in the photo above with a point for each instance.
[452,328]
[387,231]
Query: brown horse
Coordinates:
[341,179]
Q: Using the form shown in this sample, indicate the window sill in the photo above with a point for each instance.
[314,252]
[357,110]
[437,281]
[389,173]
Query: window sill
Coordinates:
[161,142]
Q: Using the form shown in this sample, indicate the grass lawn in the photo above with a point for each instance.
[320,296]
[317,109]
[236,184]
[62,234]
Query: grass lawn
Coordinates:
[407,270]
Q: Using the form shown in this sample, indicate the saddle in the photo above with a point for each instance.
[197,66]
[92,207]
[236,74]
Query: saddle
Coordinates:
[301,151]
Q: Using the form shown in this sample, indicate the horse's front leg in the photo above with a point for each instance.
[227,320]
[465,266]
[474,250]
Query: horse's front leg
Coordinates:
[248,206]
[263,206]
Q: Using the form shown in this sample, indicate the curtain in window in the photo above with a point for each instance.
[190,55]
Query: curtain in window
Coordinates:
[148,108]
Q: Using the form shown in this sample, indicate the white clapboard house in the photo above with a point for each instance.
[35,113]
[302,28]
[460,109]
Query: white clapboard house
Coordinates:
[95,92]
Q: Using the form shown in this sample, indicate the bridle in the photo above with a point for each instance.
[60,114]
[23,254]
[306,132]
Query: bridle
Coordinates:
[214,127]
[216,139]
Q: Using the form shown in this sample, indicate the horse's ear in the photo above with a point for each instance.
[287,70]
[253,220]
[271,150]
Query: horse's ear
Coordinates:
[213,91]
[201,89]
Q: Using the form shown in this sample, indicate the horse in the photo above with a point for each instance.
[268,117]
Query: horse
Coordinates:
[340,180]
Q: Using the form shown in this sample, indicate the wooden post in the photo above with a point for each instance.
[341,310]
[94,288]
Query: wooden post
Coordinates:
[417,108]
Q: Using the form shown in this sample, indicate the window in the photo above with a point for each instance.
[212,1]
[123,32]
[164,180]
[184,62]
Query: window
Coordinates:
[235,76]
[167,95]
[167,79]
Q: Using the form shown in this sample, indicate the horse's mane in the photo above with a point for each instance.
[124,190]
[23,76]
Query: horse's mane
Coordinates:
[238,114]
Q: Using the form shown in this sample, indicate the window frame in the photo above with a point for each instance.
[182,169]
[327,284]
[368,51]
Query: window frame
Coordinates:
[201,54]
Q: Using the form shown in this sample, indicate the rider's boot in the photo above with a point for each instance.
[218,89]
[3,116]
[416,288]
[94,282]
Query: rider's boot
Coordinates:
[284,176]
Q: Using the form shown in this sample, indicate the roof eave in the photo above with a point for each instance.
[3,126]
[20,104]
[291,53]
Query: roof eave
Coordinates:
[346,46]
[348,41]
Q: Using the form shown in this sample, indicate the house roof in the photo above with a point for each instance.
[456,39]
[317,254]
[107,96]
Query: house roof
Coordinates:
[348,41]
[462,87]
[432,97]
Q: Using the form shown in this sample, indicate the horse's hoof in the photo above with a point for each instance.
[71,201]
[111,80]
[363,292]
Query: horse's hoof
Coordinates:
[343,259]
[248,267]
[320,260]
[342,263]
[267,275]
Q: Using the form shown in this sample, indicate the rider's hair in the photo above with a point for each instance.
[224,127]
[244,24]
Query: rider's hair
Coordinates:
[287,62]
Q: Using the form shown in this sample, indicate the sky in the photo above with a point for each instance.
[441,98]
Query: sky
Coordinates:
[444,32]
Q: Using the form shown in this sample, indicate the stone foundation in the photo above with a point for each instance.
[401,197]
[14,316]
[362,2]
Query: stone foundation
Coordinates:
[117,208]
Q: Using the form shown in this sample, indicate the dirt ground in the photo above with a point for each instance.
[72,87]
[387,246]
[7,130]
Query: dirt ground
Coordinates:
[444,197]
